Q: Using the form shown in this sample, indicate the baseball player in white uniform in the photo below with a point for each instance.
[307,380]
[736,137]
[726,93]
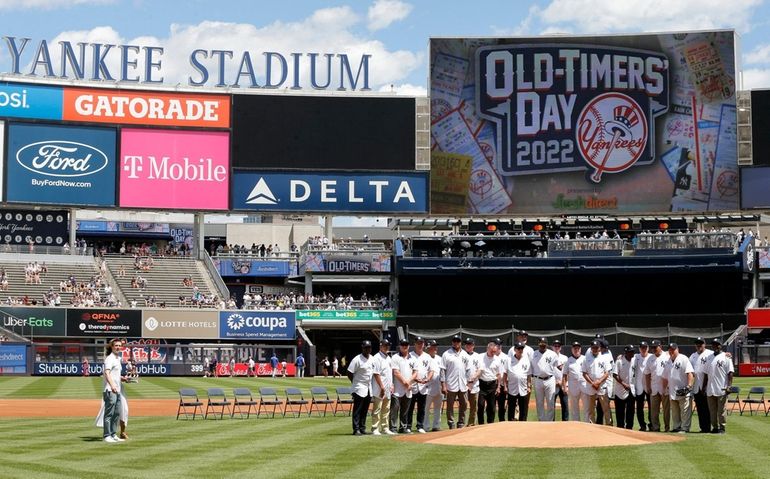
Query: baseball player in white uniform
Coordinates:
[455,383]
[472,359]
[718,380]
[382,389]
[360,375]
[544,367]
[597,369]
[421,362]
[489,383]
[519,378]
[403,375]
[625,387]
[502,398]
[641,359]
[699,359]
[561,370]
[680,377]
[656,387]
[574,384]
[433,388]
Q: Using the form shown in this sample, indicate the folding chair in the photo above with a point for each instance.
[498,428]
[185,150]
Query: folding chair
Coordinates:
[344,396]
[268,397]
[749,400]
[319,396]
[733,402]
[294,398]
[217,399]
[188,398]
[243,397]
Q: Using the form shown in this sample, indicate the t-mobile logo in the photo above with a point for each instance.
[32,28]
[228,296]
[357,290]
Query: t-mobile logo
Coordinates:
[132,164]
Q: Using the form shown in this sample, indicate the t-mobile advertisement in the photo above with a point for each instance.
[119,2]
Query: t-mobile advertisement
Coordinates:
[186,170]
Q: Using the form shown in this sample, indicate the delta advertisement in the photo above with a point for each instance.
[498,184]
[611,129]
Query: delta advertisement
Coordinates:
[594,124]
[187,324]
[61,165]
[34,322]
[257,324]
[174,169]
[42,227]
[253,267]
[363,263]
[330,191]
[88,323]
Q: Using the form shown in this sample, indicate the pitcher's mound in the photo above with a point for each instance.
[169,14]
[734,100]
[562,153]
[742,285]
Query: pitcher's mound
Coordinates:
[542,434]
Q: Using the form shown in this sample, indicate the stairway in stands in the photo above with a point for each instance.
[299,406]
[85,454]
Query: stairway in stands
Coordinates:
[57,272]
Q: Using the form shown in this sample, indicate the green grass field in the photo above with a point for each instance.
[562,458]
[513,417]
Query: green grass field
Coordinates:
[323,447]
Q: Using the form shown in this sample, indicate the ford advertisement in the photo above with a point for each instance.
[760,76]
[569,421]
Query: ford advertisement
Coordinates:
[61,165]
[257,324]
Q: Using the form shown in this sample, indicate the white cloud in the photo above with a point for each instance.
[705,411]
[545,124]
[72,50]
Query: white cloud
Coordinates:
[48,4]
[384,12]
[760,55]
[329,30]
[754,78]
[405,89]
[601,16]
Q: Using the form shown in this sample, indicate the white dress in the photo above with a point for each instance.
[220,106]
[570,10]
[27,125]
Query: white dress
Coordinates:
[123,410]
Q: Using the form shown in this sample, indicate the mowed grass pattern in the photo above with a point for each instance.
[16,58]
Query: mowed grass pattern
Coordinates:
[323,447]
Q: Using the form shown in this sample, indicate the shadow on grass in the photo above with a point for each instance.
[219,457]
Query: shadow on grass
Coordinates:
[91,438]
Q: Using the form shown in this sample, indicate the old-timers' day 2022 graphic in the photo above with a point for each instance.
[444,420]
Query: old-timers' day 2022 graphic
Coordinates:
[584,124]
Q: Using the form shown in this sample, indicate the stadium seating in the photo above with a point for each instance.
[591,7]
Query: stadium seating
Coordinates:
[319,397]
[268,397]
[756,396]
[295,402]
[344,397]
[57,272]
[243,397]
[217,399]
[188,398]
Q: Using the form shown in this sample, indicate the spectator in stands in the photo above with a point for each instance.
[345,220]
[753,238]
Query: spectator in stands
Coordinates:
[188,282]
[3,281]
[262,250]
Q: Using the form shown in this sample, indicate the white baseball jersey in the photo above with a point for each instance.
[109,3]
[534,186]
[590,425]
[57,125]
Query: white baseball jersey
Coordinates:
[490,368]
[518,370]
[383,367]
[625,371]
[544,364]
[403,366]
[504,361]
[718,368]
[655,369]
[640,364]
[676,373]
[421,363]
[699,362]
[361,367]
[574,370]
[456,376]
[433,388]
[596,367]
[561,364]
[472,361]
[528,352]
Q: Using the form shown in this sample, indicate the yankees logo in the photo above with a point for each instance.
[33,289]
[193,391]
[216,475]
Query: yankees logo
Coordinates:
[677,366]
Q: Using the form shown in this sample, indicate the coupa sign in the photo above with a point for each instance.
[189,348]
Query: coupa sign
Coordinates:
[257,324]
[572,107]
[61,165]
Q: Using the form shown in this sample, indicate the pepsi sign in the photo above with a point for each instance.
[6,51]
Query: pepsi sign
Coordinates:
[257,324]
[29,101]
[61,165]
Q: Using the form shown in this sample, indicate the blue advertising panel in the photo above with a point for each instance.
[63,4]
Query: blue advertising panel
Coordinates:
[13,355]
[249,267]
[257,324]
[330,191]
[61,165]
[30,101]
[96,369]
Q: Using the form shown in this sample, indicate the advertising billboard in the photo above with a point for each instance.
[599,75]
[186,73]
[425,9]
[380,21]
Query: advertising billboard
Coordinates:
[112,323]
[174,169]
[593,124]
[252,267]
[2,157]
[18,100]
[146,108]
[175,324]
[43,227]
[323,132]
[34,322]
[330,191]
[61,165]
[348,314]
[257,324]
[345,263]
[13,358]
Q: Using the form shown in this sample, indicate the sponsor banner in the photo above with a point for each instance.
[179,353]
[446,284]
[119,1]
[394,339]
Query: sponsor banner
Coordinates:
[174,169]
[96,369]
[60,165]
[47,228]
[112,323]
[247,267]
[758,318]
[330,191]
[352,315]
[30,101]
[754,369]
[2,158]
[188,324]
[585,124]
[146,108]
[257,324]
[260,369]
[34,322]
[13,356]
[345,264]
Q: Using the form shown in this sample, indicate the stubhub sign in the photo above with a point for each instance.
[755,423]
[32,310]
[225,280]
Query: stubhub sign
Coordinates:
[331,191]
[257,324]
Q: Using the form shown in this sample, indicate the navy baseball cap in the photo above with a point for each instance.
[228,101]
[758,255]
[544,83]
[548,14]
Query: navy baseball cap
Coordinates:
[556,342]
[542,341]
[419,339]
[716,341]
[404,342]
[432,342]
[673,346]
[629,349]
[576,344]
[366,343]
[643,344]
[699,340]
[498,341]
[523,333]
[385,341]
[470,341]
[456,337]
[595,343]
[654,343]
[519,346]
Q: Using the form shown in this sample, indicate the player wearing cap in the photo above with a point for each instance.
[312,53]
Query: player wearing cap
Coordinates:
[489,383]
[472,359]
[522,337]
[544,366]
[641,359]
[502,398]
[382,389]
[655,385]
[574,384]
[433,388]
[456,383]
[625,387]
[561,392]
[699,359]
[403,375]
[717,380]
[360,375]
[596,371]
[680,378]
[421,362]
[519,380]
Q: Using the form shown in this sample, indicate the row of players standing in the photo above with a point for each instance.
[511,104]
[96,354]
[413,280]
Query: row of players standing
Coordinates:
[584,383]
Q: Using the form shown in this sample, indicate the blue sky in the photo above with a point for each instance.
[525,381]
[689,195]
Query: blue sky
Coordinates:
[395,32]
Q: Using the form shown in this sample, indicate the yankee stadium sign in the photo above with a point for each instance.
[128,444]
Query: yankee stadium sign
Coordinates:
[572,107]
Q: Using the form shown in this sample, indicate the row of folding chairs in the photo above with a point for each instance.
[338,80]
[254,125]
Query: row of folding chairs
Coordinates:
[243,402]
[754,401]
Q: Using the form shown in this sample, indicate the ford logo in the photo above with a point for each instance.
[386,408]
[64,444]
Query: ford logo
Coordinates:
[62,158]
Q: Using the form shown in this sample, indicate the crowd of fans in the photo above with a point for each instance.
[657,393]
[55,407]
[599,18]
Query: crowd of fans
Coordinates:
[262,251]
[293,300]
